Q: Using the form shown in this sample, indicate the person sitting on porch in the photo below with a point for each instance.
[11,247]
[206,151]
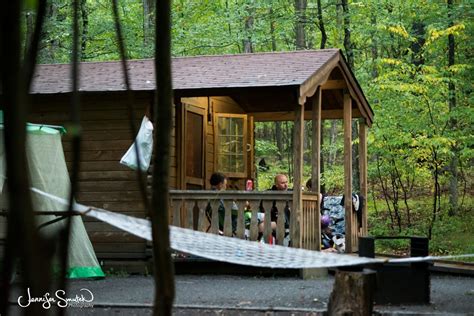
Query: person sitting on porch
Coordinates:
[248,220]
[280,184]
[218,182]
[327,243]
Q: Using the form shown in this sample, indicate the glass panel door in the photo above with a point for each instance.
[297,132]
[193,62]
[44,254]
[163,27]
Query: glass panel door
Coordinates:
[194,147]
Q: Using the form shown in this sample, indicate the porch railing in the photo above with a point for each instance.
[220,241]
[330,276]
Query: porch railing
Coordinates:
[198,210]
[310,222]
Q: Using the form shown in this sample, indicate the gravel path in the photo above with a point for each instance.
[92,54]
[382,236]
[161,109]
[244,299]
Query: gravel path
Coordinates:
[133,295]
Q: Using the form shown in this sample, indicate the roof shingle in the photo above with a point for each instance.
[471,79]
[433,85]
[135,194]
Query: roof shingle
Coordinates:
[201,72]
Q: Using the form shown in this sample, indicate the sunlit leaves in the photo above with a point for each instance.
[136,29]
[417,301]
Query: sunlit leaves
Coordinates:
[435,34]
[412,113]
[399,30]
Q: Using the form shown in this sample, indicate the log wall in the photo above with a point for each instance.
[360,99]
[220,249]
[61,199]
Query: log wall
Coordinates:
[103,181]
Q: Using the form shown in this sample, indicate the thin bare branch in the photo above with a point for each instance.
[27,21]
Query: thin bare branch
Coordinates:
[33,47]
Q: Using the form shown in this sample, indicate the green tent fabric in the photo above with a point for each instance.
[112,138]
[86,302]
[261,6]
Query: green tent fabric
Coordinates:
[48,172]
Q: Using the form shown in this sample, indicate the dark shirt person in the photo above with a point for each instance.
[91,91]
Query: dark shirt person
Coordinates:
[280,184]
[218,182]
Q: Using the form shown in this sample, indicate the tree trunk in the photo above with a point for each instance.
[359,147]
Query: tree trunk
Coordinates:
[321,26]
[453,184]
[278,131]
[163,266]
[148,19]
[373,46]
[278,139]
[347,34]
[353,293]
[436,192]
[395,199]
[28,31]
[266,132]
[355,126]
[229,25]
[322,165]
[355,158]
[385,192]
[289,141]
[453,164]
[307,142]
[339,21]
[32,44]
[85,28]
[332,143]
[22,241]
[272,29]
[300,34]
[418,29]
[248,27]
[49,45]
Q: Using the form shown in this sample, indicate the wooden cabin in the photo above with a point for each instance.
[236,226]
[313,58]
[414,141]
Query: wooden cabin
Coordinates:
[217,100]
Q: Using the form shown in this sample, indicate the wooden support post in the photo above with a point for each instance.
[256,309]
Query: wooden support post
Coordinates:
[296,212]
[353,293]
[228,219]
[180,145]
[250,151]
[348,170]
[363,172]
[316,161]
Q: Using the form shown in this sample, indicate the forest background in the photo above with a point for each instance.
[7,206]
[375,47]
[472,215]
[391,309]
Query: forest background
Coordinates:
[412,58]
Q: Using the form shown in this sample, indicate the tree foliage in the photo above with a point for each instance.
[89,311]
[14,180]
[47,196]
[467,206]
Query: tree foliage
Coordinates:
[400,54]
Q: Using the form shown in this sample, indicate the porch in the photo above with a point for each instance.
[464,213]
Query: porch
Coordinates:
[313,86]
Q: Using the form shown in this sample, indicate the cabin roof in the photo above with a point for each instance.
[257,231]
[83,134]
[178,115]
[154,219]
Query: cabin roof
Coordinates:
[300,69]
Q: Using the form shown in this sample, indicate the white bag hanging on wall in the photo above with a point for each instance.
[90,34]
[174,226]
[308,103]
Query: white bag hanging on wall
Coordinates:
[144,141]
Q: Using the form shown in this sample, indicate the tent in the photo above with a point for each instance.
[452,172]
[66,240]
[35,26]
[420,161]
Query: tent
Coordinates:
[48,173]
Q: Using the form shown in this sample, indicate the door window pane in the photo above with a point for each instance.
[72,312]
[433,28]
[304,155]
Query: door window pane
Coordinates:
[230,144]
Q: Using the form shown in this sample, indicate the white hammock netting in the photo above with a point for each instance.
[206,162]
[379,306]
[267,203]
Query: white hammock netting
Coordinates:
[234,250]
